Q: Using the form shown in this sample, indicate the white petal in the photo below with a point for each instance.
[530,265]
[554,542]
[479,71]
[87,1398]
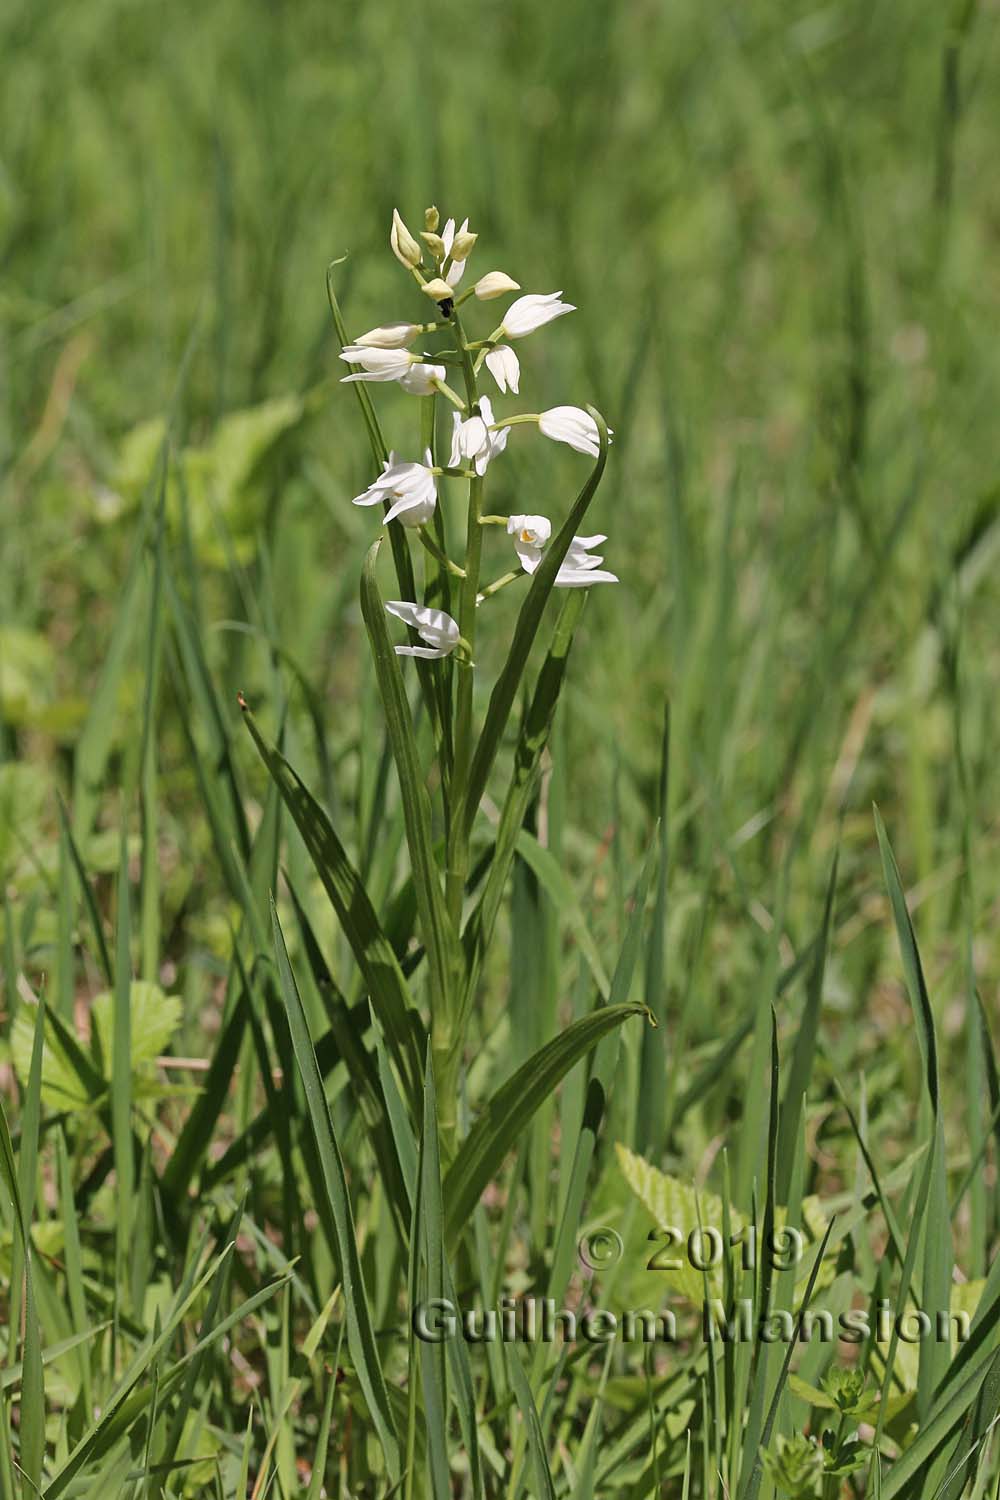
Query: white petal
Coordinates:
[529,556]
[420,380]
[495,284]
[533,311]
[414,507]
[538,528]
[572,425]
[455,458]
[504,366]
[582,578]
[429,653]
[474,436]
[373,496]
[433,625]
[379,375]
[388,336]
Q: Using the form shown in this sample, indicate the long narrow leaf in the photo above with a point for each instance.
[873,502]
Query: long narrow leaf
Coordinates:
[342,883]
[525,631]
[360,1334]
[510,1110]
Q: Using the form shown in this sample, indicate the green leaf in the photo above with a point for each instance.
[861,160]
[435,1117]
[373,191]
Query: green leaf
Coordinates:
[938,1249]
[531,743]
[74,1079]
[532,1426]
[342,883]
[416,802]
[188,1154]
[27,675]
[751,1487]
[360,1334]
[93,747]
[510,1109]
[800,1072]
[32,1383]
[528,621]
[559,888]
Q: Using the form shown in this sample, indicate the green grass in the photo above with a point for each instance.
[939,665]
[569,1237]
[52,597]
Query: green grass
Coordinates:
[778,224]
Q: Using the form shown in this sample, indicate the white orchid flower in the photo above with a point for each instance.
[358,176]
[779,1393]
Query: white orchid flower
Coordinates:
[457,268]
[531,535]
[473,439]
[422,380]
[404,246]
[533,311]
[415,377]
[389,336]
[377,363]
[495,284]
[439,630]
[572,425]
[580,568]
[410,486]
[505,367]
[439,289]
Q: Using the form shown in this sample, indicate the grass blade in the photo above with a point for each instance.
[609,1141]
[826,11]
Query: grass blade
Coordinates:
[360,1334]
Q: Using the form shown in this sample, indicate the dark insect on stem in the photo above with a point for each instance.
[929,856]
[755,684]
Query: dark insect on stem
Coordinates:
[447,307]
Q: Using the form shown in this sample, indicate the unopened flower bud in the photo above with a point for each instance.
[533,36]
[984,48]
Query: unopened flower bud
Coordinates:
[431,218]
[438,289]
[495,284]
[404,246]
[462,246]
[434,243]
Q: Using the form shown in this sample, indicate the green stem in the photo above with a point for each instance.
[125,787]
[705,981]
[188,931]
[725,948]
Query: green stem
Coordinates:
[501,583]
[446,1040]
[450,395]
[439,553]
[527,416]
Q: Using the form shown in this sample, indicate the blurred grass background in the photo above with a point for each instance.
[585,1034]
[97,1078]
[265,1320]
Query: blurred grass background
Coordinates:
[780,224]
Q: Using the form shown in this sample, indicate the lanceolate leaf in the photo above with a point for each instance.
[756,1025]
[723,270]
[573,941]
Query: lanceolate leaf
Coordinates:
[527,759]
[360,1334]
[416,803]
[525,631]
[372,949]
[512,1106]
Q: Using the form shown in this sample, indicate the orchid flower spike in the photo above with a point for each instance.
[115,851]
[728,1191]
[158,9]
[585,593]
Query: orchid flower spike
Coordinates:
[457,268]
[411,488]
[473,439]
[572,425]
[580,568]
[439,630]
[389,336]
[533,311]
[505,367]
[531,535]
